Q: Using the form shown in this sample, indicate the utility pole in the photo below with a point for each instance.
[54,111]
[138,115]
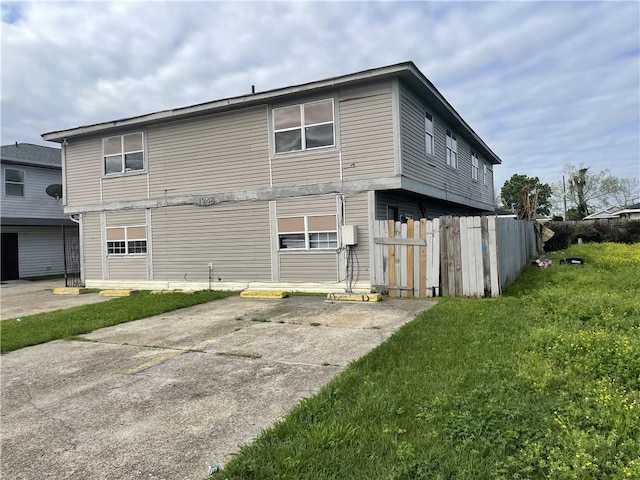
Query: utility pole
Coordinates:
[564,197]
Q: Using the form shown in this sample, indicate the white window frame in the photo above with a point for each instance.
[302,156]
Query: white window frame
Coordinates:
[474,167]
[307,235]
[303,126]
[429,145]
[23,183]
[484,173]
[127,240]
[452,150]
[123,154]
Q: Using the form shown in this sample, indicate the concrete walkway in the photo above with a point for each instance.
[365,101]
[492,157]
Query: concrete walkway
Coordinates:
[164,397]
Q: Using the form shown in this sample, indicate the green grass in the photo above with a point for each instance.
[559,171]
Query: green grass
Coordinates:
[44,327]
[541,383]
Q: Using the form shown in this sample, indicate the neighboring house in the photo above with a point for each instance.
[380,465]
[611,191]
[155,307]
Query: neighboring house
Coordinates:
[603,214]
[276,188]
[32,238]
[630,212]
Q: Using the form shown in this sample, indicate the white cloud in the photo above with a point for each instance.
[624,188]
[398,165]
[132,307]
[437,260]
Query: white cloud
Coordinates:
[543,83]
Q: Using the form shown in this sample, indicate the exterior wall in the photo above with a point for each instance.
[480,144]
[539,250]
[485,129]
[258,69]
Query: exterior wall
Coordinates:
[83,170]
[366,132]
[217,153]
[357,213]
[35,203]
[92,246]
[235,238]
[433,170]
[127,267]
[417,206]
[40,250]
[132,186]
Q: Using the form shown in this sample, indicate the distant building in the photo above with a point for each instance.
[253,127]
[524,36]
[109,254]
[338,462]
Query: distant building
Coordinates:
[630,212]
[32,221]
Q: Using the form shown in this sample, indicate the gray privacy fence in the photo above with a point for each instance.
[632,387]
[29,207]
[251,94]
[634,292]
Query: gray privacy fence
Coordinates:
[451,256]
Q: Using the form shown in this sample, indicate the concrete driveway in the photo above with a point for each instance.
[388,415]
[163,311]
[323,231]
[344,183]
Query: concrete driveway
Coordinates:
[166,396]
[23,297]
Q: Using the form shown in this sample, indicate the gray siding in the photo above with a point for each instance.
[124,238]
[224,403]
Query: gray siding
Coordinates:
[224,152]
[92,246]
[433,170]
[366,136]
[35,203]
[40,250]
[417,206]
[309,267]
[234,237]
[83,167]
[128,268]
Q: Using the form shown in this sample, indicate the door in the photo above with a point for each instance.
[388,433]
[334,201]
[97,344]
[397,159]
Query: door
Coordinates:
[9,257]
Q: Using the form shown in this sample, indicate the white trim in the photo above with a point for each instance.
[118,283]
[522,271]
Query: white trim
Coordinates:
[63,161]
[307,234]
[126,241]
[397,133]
[431,134]
[451,150]
[123,153]
[303,126]
[23,183]
[147,214]
[475,170]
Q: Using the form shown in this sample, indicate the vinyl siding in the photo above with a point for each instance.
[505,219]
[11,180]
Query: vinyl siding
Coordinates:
[83,166]
[433,170]
[417,206]
[126,218]
[234,237]
[357,213]
[35,203]
[366,136]
[309,267]
[124,187]
[92,246]
[305,168]
[40,250]
[218,153]
[128,268]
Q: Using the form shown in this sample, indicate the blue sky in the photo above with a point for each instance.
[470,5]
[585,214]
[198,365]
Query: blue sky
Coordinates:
[543,83]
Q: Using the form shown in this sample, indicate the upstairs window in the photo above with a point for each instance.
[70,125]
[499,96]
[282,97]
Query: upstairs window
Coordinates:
[127,240]
[474,167]
[428,133]
[308,232]
[484,174]
[123,153]
[452,150]
[303,127]
[13,182]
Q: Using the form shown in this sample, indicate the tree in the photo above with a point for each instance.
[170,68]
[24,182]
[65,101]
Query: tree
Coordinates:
[588,191]
[511,193]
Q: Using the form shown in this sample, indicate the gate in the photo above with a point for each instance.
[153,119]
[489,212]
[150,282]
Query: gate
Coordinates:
[71,245]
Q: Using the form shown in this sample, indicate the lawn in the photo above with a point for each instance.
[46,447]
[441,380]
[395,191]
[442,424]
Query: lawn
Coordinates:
[541,383]
[44,327]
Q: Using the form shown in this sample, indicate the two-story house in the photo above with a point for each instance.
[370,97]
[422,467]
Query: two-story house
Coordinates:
[32,221]
[274,188]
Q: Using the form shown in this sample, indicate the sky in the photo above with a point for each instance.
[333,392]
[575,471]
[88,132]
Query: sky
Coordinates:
[543,83]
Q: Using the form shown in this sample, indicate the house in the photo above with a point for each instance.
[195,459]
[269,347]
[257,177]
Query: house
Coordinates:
[603,214]
[32,221]
[630,212]
[270,189]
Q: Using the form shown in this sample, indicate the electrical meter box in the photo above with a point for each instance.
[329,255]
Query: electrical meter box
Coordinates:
[349,235]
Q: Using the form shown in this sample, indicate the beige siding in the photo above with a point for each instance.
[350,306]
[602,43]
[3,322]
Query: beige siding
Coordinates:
[305,168]
[357,213]
[92,246]
[126,218]
[83,169]
[224,152]
[234,237]
[311,205]
[128,268]
[309,267]
[366,136]
[124,187]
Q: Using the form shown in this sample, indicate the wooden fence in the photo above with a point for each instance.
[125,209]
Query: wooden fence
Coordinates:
[451,256]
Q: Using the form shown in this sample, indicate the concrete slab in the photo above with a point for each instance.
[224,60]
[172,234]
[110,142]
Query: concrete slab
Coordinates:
[164,397]
[23,297]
